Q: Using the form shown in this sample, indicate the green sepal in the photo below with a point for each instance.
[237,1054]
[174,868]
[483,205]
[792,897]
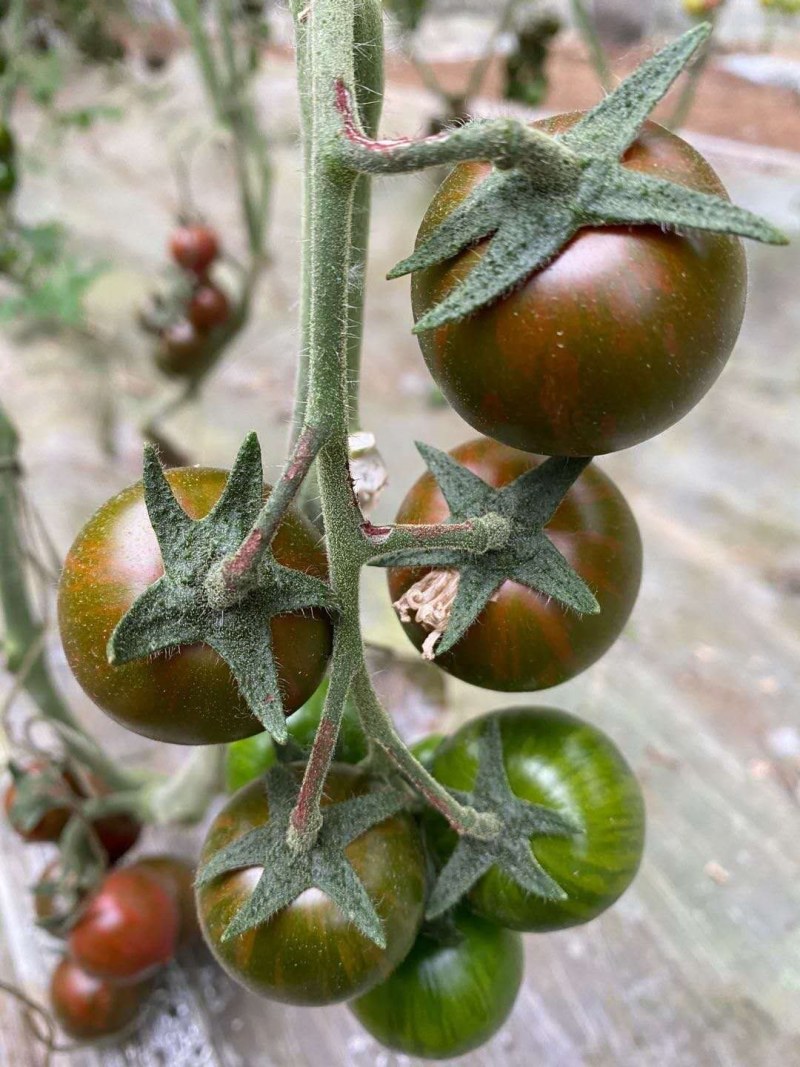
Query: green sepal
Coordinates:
[531,211]
[175,610]
[82,864]
[529,557]
[510,849]
[38,792]
[288,872]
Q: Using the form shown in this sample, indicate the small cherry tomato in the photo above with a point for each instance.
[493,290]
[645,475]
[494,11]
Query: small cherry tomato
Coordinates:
[451,993]
[180,349]
[194,247]
[178,877]
[52,823]
[89,1008]
[563,763]
[128,928]
[611,343]
[309,953]
[187,696]
[523,641]
[208,307]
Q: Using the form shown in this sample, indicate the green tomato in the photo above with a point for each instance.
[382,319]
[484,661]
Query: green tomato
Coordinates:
[450,994]
[425,749]
[563,763]
[253,756]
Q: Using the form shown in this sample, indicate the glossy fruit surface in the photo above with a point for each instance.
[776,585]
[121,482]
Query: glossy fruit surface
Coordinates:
[194,247]
[251,757]
[186,696]
[309,953]
[611,343]
[523,641]
[89,1008]
[450,994]
[180,349]
[559,761]
[129,927]
[208,307]
[177,877]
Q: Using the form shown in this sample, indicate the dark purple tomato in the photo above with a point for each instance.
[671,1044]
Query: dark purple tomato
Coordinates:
[208,307]
[177,876]
[128,928]
[309,953]
[523,641]
[90,1008]
[556,760]
[51,825]
[181,348]
[186,696]
[451,993]
[611,343]
[194,247]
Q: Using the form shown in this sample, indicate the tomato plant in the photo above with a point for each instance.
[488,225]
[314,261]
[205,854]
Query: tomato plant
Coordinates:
[208,307]
[309,953]
[451,993]
[89,1008]
[556,760]
[128,928]
[523,640]
[612,342]
[189,696]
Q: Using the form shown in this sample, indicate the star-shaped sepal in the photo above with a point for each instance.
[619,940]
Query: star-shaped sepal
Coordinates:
[175,609]
[288,872]
[530,211]
[529,556]
[510,849]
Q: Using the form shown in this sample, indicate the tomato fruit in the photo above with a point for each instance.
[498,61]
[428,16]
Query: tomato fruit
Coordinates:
[251,757]
[559,761]
[53,908]
[89,1008]
[208,307]
[180,348]
[425,749]
[611,343]
[450,994]
[186,696]
[128,928]
[52,823]
[309,953]
[194,247]
[178,878]
[523,641]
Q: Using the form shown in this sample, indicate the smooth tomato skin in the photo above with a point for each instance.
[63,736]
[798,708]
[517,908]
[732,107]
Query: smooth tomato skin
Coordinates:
[128,928]
[177,877]
[180,348]
[194,247]
[559,761]
[186,696]
[89,1008]
[208,307]
[447,997]
[610,344]
[309,953]
[523,641]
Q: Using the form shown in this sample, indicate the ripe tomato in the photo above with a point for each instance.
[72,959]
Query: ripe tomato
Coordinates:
[208,307]
[194,247]
[450,993]
[89,1008]
[51,825]
[611,343]
[523,641]
[186,696]
[178,878]
[309,953]
[180,349]
[128,928]
[556,760]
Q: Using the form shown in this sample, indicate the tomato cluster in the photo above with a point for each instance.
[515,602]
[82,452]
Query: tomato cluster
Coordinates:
[186,319]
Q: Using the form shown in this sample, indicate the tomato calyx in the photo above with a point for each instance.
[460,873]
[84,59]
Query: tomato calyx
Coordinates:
[448,607]
[509,850]
[291,866]
[175,610]
[545,189]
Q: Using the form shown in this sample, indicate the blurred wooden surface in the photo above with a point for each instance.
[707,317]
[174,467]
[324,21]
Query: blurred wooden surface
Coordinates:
[700,963]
